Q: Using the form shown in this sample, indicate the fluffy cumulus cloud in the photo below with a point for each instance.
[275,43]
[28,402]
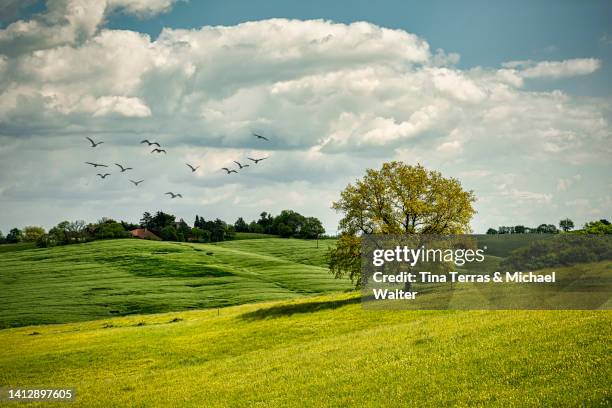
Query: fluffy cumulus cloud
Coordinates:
[554,69]
[68,22]
[332,98]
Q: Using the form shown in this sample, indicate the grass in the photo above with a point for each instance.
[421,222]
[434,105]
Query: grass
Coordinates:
[292,250]
[121,277]
[323,351]
[252,235]
[297,347]
[22,246]
[502,244]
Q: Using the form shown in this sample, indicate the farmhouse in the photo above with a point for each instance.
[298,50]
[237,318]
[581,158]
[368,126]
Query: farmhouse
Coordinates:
[144,233]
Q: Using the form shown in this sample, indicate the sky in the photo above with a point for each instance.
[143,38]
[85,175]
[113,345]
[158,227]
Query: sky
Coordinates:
[512,98]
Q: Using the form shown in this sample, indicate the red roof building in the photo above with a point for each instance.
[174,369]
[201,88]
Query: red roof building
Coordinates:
[144,233]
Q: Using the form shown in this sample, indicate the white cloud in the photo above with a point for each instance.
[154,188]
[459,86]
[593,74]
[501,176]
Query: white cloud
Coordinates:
[129,107]
[527,196]
[475,174]
[70,22]
[565,183]
[555,69]
[352,130]
[453,146]
[142,8]
[456,85]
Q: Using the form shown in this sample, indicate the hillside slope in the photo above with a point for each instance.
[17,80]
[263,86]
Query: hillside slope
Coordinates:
[324,351]
[113,278]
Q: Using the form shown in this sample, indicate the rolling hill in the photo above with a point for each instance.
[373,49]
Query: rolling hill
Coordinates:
[293,348]
[121,277]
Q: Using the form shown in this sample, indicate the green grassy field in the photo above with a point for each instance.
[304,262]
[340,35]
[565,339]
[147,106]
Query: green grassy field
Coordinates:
[121,277]
[252,235]
[22,246]
[294,348]
[323,351]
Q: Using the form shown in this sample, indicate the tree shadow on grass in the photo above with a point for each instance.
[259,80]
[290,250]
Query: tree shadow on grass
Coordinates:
[288,310]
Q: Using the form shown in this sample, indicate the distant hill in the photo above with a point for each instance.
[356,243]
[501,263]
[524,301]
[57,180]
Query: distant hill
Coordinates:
[121,277]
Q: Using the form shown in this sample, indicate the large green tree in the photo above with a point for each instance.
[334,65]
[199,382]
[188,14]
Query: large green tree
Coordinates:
[32,233]
[311,228]
[566,224]
[397,199]
[15,235]
[162,220]
[240,225]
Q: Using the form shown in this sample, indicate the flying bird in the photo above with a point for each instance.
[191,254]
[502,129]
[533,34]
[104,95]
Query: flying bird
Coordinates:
[241,165]
[93,144]
[150,143]
[174,195]
[261,137]
[96,164]
[123,169]
[158,151]
[257,160]
[193,169]
[228,170]
[136,183]
[103,176]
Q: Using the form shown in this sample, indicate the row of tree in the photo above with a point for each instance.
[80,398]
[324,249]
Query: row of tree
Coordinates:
[521,229]
[287,224]
[67,232]
[165,226]
[566,225]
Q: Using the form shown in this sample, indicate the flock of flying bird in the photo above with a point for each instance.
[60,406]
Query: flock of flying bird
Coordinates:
[159,150]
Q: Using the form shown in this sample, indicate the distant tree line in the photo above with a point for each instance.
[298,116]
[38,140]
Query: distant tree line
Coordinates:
[566,225]
[165,226]
[521,229]
[287,224]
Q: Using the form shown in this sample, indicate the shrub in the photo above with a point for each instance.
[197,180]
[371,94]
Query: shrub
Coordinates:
[111,230]
[32,233]
[168,233]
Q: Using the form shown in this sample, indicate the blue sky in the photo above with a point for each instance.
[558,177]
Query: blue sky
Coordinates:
[516,104]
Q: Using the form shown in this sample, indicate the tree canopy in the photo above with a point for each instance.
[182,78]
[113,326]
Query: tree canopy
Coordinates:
[404,199]
[15,235]
[32,233]
[397,199]
[566,224]
[602,226]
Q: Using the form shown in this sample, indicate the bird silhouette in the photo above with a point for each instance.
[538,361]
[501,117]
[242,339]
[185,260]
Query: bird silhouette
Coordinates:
[174,195]
[241,165]
[96,164]
[136,183]
[261,137]
[103,176]
[257,160]
[123,169]
[193,169]
[158,151]
[93,144]
[150,143]
[228,170]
